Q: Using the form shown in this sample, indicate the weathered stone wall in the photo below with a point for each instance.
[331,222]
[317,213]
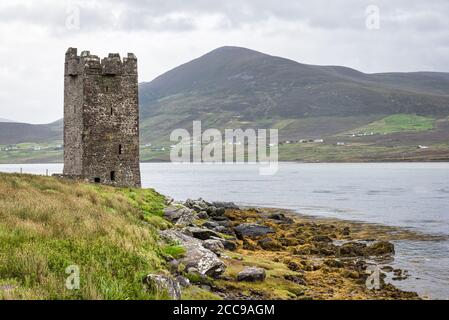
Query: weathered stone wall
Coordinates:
[108,121]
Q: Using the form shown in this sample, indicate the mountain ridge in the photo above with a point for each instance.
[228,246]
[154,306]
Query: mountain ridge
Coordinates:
[235,87]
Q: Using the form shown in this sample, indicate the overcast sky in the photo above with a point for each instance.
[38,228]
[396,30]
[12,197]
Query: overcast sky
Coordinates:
[412,35]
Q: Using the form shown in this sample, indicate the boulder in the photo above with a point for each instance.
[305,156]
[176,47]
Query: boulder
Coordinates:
[227,244]
[203,215]
[252,230]
[197,205]
[252,274]
[321,238]
[216,212]
[158,283]
[210,225]
[196,256]
[179,237]
[296,279]
[334,263]
[201,233]
[183,281]
[280,217]
[380,248]
[216,246]
[269,244]
[225,205]
[352,249]
[180,215]
[204,260]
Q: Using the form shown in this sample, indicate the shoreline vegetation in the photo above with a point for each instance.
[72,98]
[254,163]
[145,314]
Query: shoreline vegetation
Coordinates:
[138,244]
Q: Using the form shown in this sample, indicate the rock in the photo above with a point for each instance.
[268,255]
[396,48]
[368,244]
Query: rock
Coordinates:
[173,266]
[168,200]
[228,244]
[203,215]
[221,229]
[210,225]
[183,282]
[296,279]
[225,205]
[334,263]
[196,256]
[352,249]
[204,260]
[197,205]
[326,249]
[216,212]
[294,266]
[380,248]
[158,283]
[269,244]
[387,269]
[220,218]
[252,230]
[321,238]
[346,231]
[216,246]
[177,236]
[280,217]
[180,215]
[252,274]
[201,233]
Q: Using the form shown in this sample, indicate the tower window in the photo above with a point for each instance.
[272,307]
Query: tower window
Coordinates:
[107,89]
[112,111]
[120,149]
[97,180]
[112,175]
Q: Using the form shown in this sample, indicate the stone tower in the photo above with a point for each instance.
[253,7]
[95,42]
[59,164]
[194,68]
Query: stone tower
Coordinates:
[101,119]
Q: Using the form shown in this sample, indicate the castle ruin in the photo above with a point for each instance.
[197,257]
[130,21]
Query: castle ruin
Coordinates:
[101,119]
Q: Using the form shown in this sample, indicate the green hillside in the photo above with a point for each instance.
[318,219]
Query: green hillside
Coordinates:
[47,225]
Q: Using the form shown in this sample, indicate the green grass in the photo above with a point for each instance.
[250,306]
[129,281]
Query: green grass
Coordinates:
[48,224]
[398,123]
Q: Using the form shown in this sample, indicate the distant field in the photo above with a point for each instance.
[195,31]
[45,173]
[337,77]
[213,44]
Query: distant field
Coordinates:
[398,123]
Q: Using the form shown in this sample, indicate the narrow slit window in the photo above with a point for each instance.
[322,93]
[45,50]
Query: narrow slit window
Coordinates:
[112,111]
[107,89]
[112,175]
[120,149]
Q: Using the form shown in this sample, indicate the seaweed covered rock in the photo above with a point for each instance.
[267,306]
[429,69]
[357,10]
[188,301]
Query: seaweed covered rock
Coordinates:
[380,248]
[269,244]
[352,249]
[252,230]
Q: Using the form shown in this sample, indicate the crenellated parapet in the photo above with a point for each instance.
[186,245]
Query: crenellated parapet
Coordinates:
[86,63]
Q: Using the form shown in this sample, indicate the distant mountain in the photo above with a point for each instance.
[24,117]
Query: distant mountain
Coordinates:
[5,120]
[233,85]
[13,133]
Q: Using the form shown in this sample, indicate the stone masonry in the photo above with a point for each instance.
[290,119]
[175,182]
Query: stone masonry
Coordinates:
[101,119]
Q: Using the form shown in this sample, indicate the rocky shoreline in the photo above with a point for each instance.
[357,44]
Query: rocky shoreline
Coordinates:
[230,252]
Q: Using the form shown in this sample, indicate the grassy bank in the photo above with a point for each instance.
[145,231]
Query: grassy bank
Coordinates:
[47,225]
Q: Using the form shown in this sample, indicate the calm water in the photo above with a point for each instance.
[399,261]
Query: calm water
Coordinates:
[411,195]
